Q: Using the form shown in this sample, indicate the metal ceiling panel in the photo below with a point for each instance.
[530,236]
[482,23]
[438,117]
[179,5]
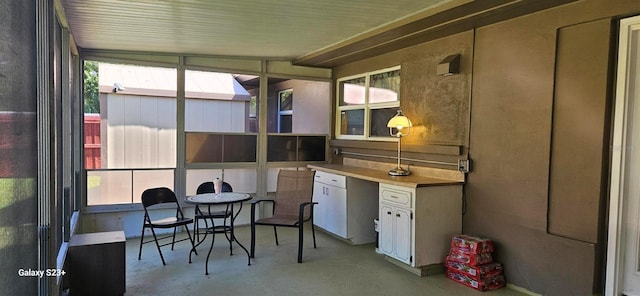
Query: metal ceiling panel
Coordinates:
[278,29]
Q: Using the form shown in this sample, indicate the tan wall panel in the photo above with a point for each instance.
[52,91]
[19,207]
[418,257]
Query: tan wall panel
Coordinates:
[580,133]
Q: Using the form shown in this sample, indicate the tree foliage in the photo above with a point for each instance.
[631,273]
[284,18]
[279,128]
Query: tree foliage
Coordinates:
[91,101]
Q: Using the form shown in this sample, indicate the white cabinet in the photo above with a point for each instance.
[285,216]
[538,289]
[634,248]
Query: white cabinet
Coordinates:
[346,206]
[396,215]
[395,232]
[331,211]
[416,224]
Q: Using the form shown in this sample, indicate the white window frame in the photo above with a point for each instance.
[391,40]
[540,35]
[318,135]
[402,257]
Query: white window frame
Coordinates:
[367,107]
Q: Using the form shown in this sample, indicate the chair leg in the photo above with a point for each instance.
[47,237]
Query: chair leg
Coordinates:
[253,231]
[275,233]
[228,234]
[173,240]
[313,232]
[195,230]
[300,241]
[141,242]
[193,246]
[155,238]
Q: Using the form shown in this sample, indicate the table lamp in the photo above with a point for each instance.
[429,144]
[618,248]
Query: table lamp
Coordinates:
[402,126]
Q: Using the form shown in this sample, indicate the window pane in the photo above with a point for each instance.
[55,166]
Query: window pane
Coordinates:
[240,148]
[203,148]
[352,122]
[217,148]
[296,148]
[144,179]
[286,99]
[384,87]
[352,91]
[379,119]
[311,148]
[285,123]
[109,187]
[281,148]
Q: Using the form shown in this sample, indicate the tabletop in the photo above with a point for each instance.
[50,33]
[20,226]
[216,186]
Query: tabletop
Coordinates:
[218,198]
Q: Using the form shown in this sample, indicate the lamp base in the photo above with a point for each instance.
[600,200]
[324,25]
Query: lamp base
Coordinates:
[399,172]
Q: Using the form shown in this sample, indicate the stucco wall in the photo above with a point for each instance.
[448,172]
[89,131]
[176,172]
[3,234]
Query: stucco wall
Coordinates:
[515,71]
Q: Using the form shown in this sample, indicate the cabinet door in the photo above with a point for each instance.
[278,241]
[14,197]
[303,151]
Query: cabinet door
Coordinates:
[385,239]
[319,211]
[336,210]
[402,234]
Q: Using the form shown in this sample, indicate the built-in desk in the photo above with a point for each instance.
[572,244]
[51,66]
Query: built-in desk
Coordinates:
[418,214]
[382,176]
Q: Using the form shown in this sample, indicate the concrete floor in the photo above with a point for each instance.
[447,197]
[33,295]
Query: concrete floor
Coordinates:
[334,268]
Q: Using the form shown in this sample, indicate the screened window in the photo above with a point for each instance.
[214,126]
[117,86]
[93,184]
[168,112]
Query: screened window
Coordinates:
[298,125]
[130,131]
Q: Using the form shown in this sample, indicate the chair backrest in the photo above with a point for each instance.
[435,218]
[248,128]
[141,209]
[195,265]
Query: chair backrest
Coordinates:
[207,187]
[159,195]
[293,189]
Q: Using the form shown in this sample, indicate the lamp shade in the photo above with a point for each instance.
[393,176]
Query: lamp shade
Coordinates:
[401,123]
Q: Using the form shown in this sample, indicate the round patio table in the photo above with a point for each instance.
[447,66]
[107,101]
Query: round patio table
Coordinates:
[223,198]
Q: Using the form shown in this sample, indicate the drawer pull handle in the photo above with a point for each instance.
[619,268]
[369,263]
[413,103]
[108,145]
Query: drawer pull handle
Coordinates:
[388,213]
[393,196]
[334,180]
[398,215]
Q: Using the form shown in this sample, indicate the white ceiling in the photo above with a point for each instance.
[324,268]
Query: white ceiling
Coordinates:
[248,28]
[321,33]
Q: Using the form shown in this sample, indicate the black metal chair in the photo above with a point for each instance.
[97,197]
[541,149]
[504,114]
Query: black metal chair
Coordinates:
[207,187]
[292,206]
[153,197]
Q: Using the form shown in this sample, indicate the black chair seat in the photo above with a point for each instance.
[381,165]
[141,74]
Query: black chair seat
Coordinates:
[170,222]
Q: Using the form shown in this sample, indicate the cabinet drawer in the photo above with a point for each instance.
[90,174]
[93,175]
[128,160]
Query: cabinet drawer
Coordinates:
[395,195]
[331,179]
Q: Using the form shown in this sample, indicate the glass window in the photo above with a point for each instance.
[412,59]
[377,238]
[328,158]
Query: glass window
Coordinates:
[352,91]
[352,122]
[285,111]
[379,119]
[384,87]
[366,102]
[219,148]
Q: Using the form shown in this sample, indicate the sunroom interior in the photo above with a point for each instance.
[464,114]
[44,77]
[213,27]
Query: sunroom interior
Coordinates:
[515,104]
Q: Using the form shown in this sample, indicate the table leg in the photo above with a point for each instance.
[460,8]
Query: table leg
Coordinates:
[213,238]
[233,237]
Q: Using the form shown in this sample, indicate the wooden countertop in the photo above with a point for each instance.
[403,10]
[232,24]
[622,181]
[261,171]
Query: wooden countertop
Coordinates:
[381,176]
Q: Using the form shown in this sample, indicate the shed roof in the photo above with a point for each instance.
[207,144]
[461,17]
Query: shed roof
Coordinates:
[156,81]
